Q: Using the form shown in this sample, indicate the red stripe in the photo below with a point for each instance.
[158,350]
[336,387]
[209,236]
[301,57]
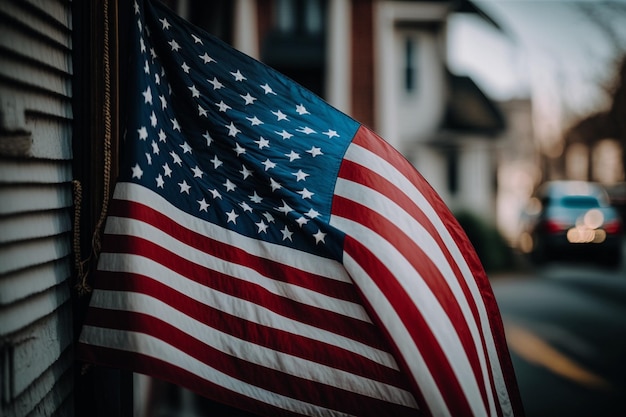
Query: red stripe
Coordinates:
[369,140]
[429,271]
[415,324]
[257,294]
[269,379]
[229,253]
[272,338]
[166,371]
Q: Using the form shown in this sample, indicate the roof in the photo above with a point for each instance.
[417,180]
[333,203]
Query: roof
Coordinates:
[470,110]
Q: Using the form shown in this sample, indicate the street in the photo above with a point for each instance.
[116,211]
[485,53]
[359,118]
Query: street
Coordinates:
[566,331]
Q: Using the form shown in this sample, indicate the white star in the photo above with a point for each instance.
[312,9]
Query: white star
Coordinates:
[143,133]
[142,45]
[206,58]
[146,68]
[306,130]
[301,109]
[216,162]
[275,185]
[157,79]
[314,151]
[279,115]
[331,133]
[300,175]
[216,84]
[269,164]
[194,91]
[153,120]
[165,23]
[239,149]
[223,106]
[149,158]
[312,213]
[254,121]
[174,45]
[319,237]
[262,227]
[175,124]
[284,134]
[163,102]
[185,67]
[160,182]
[305,193]
[267,89]
[167,171]
[245,172]
[136,6]
[208,138]
[262,142]
[197,172]
[255,198]
[153,54]
[155,148]
[248,98]
[203,205]
[215,193]
[186,147]
[287,234]
[162,136]
[230,186]
[284,208]
[238,76]
[232,130]
[302,221]
[245,206]
[197,39]
[292,156]
[232,216]
[137,172]
[147,95]
[268,217]
[202,111]
[176,158]
[184,187]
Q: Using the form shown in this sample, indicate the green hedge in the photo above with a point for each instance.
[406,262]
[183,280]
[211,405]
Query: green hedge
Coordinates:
[492,249]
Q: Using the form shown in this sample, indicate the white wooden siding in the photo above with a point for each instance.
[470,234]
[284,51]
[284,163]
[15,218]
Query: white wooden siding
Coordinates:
[36,360]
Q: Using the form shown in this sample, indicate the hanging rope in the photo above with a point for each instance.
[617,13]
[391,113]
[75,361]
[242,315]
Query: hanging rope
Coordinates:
[82,266]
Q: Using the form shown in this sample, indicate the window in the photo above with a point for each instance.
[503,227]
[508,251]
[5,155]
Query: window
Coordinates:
[410,67]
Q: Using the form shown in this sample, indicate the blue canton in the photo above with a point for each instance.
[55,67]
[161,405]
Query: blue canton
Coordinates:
[229,140]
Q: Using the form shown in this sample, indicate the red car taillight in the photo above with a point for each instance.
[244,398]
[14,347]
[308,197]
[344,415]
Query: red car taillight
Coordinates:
[613,227]
[553,226]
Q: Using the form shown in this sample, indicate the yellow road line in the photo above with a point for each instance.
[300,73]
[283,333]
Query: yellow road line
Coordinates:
[535,350]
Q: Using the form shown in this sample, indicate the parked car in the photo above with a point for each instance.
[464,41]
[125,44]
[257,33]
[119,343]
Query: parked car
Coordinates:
[570,219]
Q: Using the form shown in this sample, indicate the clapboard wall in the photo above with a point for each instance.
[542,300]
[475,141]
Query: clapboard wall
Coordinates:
[36,362]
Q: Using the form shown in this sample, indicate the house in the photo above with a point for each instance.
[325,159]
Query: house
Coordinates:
[383,62]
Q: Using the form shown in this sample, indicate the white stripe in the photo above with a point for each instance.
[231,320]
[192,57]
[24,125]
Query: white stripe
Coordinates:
[282,254]
[239,308]
[367,158]
[150,346]
[132,227]
[422,296]
[250,352]
[420,237]
[401,336]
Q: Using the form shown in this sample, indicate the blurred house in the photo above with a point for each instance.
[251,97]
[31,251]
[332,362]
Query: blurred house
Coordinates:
[383,62]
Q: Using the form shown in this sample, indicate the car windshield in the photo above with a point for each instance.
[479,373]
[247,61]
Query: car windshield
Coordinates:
[580,201]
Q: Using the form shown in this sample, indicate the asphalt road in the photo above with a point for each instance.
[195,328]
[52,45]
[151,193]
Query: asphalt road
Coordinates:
[566,331]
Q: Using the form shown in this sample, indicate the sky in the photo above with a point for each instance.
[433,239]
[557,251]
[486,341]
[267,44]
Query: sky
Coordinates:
[552,50]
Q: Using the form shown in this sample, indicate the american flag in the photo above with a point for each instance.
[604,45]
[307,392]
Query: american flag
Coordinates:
[270,253]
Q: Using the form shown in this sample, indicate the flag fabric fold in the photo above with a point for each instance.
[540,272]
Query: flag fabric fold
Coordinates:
[270,253]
